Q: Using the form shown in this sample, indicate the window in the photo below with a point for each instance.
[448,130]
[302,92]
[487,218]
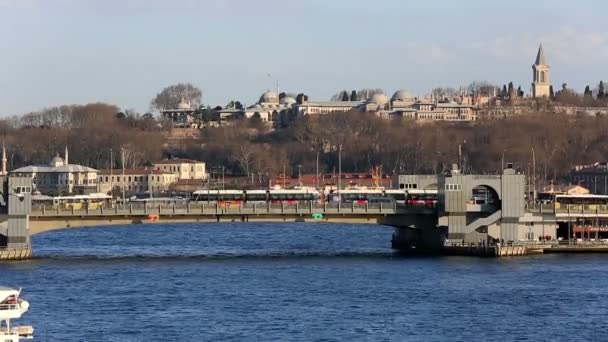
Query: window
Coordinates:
[106,179]
[453,187]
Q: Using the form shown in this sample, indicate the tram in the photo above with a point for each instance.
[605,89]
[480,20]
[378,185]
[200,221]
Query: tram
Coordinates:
[76,202]
[426,198]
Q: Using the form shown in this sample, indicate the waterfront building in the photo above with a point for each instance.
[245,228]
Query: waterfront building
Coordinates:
[183,168]
[594,177]
[541,80]
[141,180]
[58,177]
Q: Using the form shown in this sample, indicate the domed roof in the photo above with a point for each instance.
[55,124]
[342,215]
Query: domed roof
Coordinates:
[379,99]
[56,162]
[183,104]
[288,100]
[402,95]
[269,96]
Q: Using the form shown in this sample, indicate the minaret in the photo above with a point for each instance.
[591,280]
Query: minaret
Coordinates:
[541,82]
[65,161]
[4,172]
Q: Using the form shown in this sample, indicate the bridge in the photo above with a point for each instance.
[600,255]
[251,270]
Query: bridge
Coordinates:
[43,219]
[455,220]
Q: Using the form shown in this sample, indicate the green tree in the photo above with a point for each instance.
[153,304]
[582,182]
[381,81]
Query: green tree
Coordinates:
[353,95]
[588,92]
[345,96]
[600,91]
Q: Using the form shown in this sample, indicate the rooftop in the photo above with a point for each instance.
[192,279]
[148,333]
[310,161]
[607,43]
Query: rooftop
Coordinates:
[138,171]
[178,161]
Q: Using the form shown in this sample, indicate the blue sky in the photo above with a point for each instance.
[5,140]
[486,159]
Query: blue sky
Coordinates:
[125,51]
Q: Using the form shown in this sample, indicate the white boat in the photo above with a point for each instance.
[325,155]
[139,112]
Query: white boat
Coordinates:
[12,306]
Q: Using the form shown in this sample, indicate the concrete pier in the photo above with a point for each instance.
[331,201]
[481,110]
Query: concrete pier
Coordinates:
[16,253]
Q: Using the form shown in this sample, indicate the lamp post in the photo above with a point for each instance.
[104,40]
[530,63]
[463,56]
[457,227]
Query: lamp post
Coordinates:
[339,170]
[503,161]
[534,174]
[300,174]
[122,152]
[317,174]
[111,173]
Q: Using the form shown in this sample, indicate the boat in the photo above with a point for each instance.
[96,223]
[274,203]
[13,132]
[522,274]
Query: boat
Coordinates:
[12,306]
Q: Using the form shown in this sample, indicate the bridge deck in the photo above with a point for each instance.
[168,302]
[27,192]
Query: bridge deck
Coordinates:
[215,210]
[44,219]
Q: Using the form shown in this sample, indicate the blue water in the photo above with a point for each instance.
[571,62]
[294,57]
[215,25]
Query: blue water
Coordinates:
[296,282]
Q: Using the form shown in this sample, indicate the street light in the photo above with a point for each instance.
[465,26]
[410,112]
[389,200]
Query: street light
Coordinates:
[534,173]
[503,161]
[122,152]
[339,170]
[300,174]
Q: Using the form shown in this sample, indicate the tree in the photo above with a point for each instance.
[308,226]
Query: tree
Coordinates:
[353,95]
[588,92]
[301,98]
[504,92]
[600,91]
[173,95]
[520,93]
[551,93]
[345,96]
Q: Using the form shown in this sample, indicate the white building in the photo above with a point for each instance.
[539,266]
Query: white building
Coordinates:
[59,177]
[183,168]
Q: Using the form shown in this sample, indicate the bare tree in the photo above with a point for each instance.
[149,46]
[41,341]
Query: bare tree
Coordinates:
[171,96]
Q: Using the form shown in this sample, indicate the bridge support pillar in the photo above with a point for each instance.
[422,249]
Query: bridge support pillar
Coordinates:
[17,194]
[416,234]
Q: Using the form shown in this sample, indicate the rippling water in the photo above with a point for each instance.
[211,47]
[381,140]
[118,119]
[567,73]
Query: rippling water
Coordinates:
[300,282]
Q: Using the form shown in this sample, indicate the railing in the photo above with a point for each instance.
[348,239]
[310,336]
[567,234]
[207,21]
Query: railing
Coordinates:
[205,208]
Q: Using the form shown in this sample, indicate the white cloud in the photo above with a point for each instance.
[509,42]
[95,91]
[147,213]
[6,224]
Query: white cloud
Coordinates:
[567,45]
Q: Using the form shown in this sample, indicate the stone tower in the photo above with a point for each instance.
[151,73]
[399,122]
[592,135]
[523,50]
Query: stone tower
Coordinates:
[541,82]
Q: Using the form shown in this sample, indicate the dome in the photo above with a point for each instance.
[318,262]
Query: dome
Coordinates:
[183,104]
[402,95]
[269,97]
[288,100]
[56,162]
[379,99]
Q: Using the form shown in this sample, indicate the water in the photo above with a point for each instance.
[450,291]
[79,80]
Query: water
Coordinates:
[300,282]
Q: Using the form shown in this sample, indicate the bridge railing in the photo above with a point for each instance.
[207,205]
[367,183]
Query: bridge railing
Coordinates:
[205,208]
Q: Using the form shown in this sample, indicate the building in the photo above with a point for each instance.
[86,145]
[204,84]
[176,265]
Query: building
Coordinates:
[59,177]
[184,116]
[183,168]
[135,181]
[594,177]
[541,80]
[269,108]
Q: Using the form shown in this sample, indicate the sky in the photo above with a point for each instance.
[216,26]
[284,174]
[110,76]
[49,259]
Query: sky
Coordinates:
[124,52]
